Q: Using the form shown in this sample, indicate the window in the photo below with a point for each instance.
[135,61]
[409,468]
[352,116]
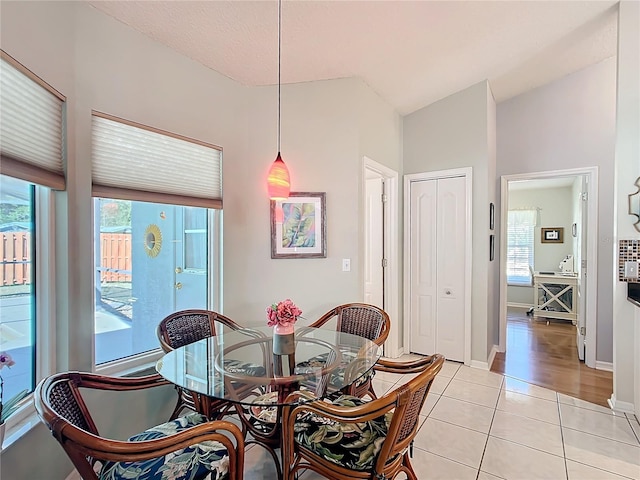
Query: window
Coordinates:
[151,260]
[157,204]
[31,152]
[520,246]
[17,297]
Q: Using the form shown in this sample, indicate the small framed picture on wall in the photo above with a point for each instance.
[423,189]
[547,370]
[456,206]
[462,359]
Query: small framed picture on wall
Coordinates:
[552,235]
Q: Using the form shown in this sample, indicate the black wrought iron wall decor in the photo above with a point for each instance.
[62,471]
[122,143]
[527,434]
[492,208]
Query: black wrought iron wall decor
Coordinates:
[634,204]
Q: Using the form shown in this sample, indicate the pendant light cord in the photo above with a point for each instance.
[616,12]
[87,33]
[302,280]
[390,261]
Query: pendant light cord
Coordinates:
[279,55]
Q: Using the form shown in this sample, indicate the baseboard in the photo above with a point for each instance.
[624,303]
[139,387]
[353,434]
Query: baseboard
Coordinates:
[479,364]
[492,354]
[74,475]
[486,365]
[619,406]
[526,306]
[606,366]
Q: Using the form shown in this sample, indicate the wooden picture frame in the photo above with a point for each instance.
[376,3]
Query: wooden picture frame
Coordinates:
[299,226]
[552,235]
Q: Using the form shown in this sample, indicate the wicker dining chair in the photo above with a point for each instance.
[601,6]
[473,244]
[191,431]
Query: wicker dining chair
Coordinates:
[351,438]
[188,326]
[366,321]
[191,444]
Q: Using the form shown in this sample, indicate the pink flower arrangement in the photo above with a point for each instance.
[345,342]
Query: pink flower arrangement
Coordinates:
[284,313]
[6,360]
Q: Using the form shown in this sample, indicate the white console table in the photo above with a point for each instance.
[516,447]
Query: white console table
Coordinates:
[555,296]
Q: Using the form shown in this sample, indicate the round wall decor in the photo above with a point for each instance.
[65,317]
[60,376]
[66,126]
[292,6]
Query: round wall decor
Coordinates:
[152,240]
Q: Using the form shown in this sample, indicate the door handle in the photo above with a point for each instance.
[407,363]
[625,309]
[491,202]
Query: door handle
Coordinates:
[178,285]
[178,269]
[447,292]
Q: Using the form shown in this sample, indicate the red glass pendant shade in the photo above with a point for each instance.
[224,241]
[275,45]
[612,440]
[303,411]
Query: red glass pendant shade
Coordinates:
[278,182]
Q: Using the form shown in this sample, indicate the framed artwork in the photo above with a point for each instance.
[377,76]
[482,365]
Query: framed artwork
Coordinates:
[492,216]
[299,226]
[552,235]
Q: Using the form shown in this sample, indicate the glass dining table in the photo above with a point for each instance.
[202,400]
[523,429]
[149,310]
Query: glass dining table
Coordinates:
[240,367]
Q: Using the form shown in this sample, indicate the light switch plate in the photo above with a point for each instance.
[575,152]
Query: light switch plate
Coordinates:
[346,264]
[630,269]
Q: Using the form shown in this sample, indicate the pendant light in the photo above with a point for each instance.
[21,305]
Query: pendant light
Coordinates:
[278,182]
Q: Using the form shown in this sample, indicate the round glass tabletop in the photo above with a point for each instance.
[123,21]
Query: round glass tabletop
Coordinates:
[241,366]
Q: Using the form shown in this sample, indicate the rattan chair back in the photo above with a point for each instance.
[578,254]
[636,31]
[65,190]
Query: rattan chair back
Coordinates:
[188,326]
[61,407]
[405,402]
[360,319]
[183,328]
[364,320]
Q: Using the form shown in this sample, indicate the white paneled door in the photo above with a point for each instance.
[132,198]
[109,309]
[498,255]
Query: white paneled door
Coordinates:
[374,251]
[437,217]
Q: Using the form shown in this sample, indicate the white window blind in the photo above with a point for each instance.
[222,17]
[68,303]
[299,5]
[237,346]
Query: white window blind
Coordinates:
[31,126]
[135,162]
[520,246]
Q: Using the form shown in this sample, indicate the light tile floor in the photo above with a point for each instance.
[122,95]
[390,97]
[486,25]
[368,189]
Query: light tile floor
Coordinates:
[479,425]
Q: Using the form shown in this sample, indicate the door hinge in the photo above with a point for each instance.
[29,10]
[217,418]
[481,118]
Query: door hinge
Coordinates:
[384,262]
[584,196]
[384,198]
[583,331]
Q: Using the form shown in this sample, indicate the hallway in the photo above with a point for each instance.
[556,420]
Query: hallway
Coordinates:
[546,355]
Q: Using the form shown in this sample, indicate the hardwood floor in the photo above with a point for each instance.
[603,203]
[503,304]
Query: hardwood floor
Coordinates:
[546,355]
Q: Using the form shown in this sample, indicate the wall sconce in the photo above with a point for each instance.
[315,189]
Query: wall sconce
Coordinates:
[634,205]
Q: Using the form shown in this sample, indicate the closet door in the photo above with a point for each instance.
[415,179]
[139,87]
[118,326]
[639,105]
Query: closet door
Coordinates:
[423,266]
[451,239]
[437,261]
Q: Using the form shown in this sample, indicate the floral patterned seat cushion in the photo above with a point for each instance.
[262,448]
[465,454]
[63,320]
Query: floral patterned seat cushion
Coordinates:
[351,445]
[249,369]
[335,380]
[203,461]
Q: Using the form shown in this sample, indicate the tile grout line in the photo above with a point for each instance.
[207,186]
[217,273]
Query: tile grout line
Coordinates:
[564,450]
[562,427]
[486,443]
[632,429]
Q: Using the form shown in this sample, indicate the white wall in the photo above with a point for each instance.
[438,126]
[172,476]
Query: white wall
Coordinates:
[493,268]
[626,316]
[556,210]
[568,124]
[454,133]
[320,148]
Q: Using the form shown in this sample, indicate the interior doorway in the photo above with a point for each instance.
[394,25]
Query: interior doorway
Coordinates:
[380,268]
[565,204]
[544,354]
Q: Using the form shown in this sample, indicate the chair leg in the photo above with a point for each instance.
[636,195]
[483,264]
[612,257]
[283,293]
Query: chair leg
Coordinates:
[408,468]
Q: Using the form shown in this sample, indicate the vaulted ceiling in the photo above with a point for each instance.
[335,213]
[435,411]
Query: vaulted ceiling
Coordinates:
[412,53]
